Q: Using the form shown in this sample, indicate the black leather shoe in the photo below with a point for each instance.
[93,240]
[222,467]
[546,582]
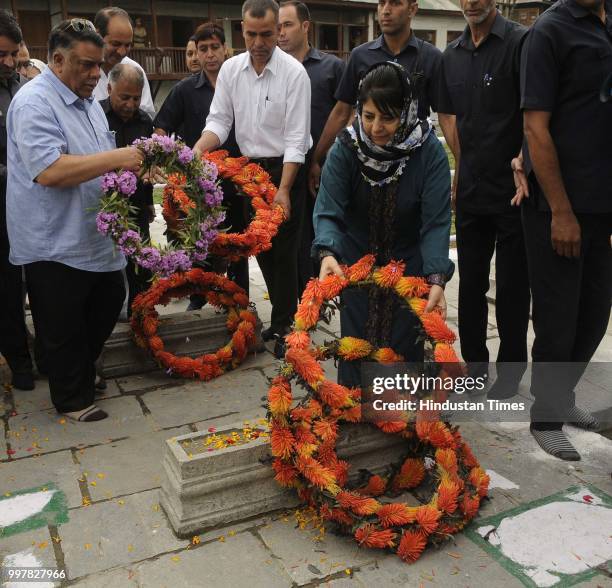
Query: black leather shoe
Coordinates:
[267,334]
[23,381]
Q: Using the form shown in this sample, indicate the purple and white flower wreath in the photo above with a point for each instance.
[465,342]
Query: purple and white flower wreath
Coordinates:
[200,227]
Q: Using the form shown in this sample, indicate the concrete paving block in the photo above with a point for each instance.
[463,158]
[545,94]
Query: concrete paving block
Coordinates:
[110,534]
[35,547]
[234,392]
[127,466]
[137,383]
[307,560]
[52,432]
[40,398]
[29,472]
[120,578]
[241,560]
[456,564]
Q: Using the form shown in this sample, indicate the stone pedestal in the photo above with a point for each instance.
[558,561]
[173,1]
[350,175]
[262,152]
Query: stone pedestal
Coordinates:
[203,489]
[184,333]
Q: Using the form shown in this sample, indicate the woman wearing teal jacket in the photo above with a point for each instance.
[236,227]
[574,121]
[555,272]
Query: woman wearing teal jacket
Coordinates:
[385,189]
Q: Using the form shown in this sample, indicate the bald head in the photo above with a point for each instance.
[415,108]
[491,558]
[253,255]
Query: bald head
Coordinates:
[125,83]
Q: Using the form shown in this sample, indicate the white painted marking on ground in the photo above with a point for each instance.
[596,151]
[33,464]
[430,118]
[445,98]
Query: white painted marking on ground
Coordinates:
[557,538]
[585,497]
[498,481]
[19,508]
[25,559]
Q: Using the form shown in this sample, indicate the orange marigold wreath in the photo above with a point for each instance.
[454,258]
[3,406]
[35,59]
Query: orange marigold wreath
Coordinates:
[219,291]
[253,182]
[303,438]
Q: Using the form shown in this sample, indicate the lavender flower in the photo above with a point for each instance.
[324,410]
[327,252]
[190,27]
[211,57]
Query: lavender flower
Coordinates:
[109,182]
[126,183]
[105,222]
[149,258]
[185,155]
[128,242]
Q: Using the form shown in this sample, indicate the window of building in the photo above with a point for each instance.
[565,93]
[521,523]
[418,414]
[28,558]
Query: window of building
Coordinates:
[452,35]
[429,36]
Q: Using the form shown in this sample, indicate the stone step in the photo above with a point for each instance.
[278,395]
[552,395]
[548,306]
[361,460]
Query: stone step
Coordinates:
[184,333]
[203,489]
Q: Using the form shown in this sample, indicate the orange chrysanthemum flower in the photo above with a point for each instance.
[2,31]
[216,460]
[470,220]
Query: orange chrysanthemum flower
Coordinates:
[332,285]
[313,291]
[369,536]
[334,395]
[307,315]
[480,480]
[396,514]
[417,305]
[447,459]
[410,475]
[411,546]
[360,505]
[469,506]
[448,492]
[375,487]
[279,396]
[389,276]
[361,269]
[337,515]
[436,433]
[315,473]
[282,442]
[444,353]
[391,426]
[326,429]
[386,355]
[427,517]
[306,366]
[298,340]
[408,287]
[285,474]
[468,457]
[436,328]
[352,348]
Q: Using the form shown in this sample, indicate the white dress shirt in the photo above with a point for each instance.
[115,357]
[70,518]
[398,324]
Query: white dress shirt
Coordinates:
[271,110]
[146,102]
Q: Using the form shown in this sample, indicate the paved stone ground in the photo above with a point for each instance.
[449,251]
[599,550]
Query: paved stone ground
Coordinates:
[116,534]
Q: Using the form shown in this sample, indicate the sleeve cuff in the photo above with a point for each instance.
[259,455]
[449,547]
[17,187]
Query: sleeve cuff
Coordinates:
[217,129]
[293,155]
[40,165]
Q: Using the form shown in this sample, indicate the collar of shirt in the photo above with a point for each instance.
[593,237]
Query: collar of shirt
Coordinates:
[67,95]
[271,66]
[139,116]
[313,53]
[203,81]
[578,11]
[498,29]
[379,43]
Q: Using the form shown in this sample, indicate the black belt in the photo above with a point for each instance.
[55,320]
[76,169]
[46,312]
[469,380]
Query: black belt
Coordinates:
[267,161]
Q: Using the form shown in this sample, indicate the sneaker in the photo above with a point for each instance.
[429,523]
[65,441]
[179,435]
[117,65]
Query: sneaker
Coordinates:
[23,381]
[267,334]
[100,383]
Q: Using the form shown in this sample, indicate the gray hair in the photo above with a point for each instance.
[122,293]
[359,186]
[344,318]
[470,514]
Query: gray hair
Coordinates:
[125,71]
[258,8]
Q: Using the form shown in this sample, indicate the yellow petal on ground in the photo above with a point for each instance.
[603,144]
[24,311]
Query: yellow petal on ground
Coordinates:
[43,545]
[130,548]
[87,545]
[175,558]
[222,539]
[101,476]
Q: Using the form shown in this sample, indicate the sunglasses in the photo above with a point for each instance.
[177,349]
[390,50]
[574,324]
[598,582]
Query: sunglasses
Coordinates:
[78,25]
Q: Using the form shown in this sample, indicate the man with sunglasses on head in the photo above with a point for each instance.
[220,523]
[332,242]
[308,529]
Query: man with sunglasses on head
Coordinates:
[115,27]
[59,146]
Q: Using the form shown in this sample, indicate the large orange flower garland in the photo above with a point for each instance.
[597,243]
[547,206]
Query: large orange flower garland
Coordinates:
[303,438]
[253,182]
[219,291]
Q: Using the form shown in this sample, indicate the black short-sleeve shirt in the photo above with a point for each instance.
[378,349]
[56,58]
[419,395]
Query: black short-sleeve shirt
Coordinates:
[480,86]
[185,110]
[325,71]
[566,58]
[417,56]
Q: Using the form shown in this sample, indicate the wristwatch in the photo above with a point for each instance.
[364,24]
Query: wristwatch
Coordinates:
[436,280]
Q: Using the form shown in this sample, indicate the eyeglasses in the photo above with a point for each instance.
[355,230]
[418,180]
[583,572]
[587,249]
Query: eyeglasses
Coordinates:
[78,25]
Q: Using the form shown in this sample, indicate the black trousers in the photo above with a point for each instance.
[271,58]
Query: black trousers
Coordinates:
[13,333]
[138,278]
[74,312]
[279,264]
[236,220]
[571,308]
[477,237]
